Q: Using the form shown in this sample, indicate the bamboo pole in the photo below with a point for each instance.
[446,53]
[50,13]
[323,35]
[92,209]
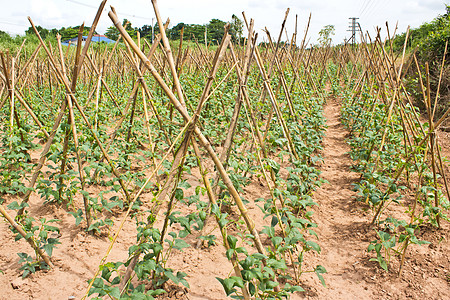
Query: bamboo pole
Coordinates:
[223,230]
[130,207]
[172,180]
[275,105]
[28,238]
[202,139]
[63,105]
[168,51]
[77,67]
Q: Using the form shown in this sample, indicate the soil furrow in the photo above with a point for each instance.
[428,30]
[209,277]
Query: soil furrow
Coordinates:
[341,223]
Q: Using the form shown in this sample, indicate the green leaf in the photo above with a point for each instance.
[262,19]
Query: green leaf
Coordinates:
[383,263]
[319,270]
[251,289]
[115,292]
[23,255]
[179,194]
[274,221]
[314,246]
[180,244]
[13,205]
[312,232]
[293,289]
[241,250]
[172,277]
[237,281]
[78,216]
[271,284]
[228,284]
[277,264]
[180,276]
[276,241]
[51,228]
[94,226]
[232,241]
[49,248]
[229,253]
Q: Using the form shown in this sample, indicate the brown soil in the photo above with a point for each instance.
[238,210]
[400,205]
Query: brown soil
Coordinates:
[343,230]
[344,235]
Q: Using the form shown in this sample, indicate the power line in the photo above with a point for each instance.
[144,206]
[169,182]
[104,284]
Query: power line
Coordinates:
[363,7]
[83,4]
[370,8]
[95,7]
[14,24]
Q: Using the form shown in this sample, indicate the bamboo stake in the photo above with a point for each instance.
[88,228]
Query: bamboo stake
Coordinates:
[432,143]
[172,181]
[203,141]
[440,79]
[443,173]
[234,119]
[29,239]
[74,127]
[103,83]
[135,90]
[275,105]
[147,124]
[147,91]
[97,96]
[169,54]
[223,230]
[63,105]
[130,207]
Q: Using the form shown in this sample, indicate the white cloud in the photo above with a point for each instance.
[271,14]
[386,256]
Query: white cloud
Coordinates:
[47,13]
[260,4]
[432,4]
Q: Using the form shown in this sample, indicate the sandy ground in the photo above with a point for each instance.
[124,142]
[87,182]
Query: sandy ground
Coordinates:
[343,231]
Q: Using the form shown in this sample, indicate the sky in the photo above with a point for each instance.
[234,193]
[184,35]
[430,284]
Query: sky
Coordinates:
[266,13]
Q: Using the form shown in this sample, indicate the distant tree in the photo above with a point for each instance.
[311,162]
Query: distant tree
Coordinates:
[53,32]
[71,32]
[432,38]
[4,37]
[145,31]
[428,42]
[195,31]
[43,32]
[325,35]
[130,30]
[68,33]
[112,33]
[216,30]
[156,30]
[176,31]
[236,28]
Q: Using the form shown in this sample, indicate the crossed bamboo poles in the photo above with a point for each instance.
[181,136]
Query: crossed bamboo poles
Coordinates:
[312,61]
[374,64]
[70,103]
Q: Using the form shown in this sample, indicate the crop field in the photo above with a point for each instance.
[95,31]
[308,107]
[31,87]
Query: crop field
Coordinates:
[238,170]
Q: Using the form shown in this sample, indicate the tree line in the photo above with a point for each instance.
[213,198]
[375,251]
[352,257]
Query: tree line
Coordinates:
[214,31]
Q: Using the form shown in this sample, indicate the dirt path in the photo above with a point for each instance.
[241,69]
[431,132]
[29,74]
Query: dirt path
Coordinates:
[340,221]
[344,235]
